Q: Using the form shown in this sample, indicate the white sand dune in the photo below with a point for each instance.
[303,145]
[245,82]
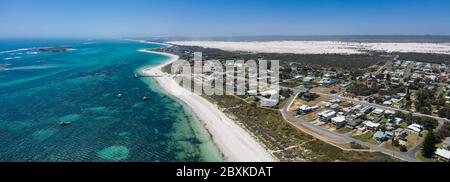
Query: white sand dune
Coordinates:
[319,47]
[233,141]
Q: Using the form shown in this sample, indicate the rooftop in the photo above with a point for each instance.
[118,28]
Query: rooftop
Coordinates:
[372,125]
[327,113]
[443,153]
[338,119]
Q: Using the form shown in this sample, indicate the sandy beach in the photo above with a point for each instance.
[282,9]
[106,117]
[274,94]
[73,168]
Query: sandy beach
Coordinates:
[236,144]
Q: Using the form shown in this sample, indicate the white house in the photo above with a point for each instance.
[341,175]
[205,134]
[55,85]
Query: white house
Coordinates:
[389,112]
[442,154]
[252,92]
[339,121]
[305,109]
[415,128]
[269,92]
[327,115]
[357,107]
[371,125]
[388,102]
[308,79]
[397,120]
[265,102]
[378,111]
[366,109]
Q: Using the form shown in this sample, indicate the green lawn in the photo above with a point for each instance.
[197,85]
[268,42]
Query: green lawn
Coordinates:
[440,145]
[372,141]
[371,116]
[250,99]
[404,125]
[364,137]
[343,130]
[422,158]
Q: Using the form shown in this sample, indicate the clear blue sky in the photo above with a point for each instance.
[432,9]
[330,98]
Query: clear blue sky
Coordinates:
[114,18]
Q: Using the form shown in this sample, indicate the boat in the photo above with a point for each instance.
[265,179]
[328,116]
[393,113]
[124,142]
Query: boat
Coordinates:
[145,98]
[136,75]
[119,96]
[65,123]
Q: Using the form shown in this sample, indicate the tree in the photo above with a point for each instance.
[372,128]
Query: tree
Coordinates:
[429,144]
[395,143]
[383,128]
[408,97]
[408,104]
[444,111]
[440,101]
[403,148]
[444,131]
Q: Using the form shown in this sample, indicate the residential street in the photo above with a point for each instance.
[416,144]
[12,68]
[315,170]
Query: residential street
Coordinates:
[337,138]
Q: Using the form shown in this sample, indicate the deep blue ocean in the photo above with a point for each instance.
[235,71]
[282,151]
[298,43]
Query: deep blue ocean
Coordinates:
[38,90]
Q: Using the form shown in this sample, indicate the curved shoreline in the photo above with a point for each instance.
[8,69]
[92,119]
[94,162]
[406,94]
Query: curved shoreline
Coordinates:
[233,142]
[147,42]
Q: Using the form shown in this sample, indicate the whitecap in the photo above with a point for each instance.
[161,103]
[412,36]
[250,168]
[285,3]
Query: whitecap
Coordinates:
[37,67]
[11,58]
[32,52]
[26,50]
[15,50]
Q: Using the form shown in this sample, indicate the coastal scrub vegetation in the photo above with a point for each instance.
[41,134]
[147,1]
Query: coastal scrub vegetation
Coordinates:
[362,89]
[348,62]
[425,57]
[285,141]
[277,135]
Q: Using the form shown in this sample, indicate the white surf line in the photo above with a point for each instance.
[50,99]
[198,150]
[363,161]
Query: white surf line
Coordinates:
[234,142]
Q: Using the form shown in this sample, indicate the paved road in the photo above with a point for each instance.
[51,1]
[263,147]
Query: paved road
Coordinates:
[311,128]
[380,70]
[334,137]
[337,138]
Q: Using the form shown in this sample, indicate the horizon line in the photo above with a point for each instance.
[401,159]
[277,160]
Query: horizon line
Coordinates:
[222,36]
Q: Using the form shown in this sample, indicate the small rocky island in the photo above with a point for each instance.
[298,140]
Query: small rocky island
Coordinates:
[56,49]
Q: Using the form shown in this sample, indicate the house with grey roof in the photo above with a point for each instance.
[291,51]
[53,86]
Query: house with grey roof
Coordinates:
[353,123]
[381,136]
[400,132]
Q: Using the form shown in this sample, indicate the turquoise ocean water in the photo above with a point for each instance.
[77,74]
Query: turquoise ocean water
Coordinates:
[39,90]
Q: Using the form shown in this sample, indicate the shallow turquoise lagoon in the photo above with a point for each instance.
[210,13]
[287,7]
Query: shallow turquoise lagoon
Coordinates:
[39,90]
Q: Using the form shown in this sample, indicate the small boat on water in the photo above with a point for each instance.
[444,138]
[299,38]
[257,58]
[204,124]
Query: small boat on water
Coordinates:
[119,96]
[65,123]
[136,75]
[145,98]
